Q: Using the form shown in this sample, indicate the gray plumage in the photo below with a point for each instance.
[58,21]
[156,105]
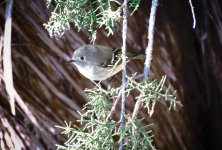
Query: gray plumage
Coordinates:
[95,61]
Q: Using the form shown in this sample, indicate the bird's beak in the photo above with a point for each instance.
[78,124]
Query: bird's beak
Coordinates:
[70,61]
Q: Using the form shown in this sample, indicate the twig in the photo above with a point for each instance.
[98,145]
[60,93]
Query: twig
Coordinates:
[149,50]
[124,31]
[7,60]
[132,122]
[114,106]
[193,14]
[119,94]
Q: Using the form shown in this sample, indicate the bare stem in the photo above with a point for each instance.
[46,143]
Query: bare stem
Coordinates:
[149,50]
[124,31]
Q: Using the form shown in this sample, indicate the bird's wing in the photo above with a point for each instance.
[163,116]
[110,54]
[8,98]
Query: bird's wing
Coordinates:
[112,56]
[114,60]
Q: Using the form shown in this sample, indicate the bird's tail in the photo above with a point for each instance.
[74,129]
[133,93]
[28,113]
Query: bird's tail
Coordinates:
[136,55]
[139,56]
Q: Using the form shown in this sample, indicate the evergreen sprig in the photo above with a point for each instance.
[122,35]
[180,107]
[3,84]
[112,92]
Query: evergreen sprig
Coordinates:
[99,102]
[97,132]
[85,14]
[134,4]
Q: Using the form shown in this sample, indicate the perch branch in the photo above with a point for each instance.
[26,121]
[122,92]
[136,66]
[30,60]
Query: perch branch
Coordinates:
[124,31]
[149,50]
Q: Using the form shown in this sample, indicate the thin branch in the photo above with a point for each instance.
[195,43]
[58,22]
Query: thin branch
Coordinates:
[114,106]
[111,112]
[7,60]
[124,31]
[149,50]
[193,14]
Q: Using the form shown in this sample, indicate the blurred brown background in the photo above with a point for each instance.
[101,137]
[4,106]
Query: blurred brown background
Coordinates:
[53,90]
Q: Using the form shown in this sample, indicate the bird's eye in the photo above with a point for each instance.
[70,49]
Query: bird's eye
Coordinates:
[82,57]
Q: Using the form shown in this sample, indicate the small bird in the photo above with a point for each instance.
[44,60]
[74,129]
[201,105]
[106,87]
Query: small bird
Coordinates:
[98,62]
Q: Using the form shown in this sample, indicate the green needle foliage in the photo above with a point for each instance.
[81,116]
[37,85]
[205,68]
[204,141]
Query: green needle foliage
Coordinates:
[97,132]
[152,92]
[85,14]
[99,100]
[134,4]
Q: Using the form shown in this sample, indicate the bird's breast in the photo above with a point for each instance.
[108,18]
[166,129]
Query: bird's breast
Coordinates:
[94,72]
[98,73]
